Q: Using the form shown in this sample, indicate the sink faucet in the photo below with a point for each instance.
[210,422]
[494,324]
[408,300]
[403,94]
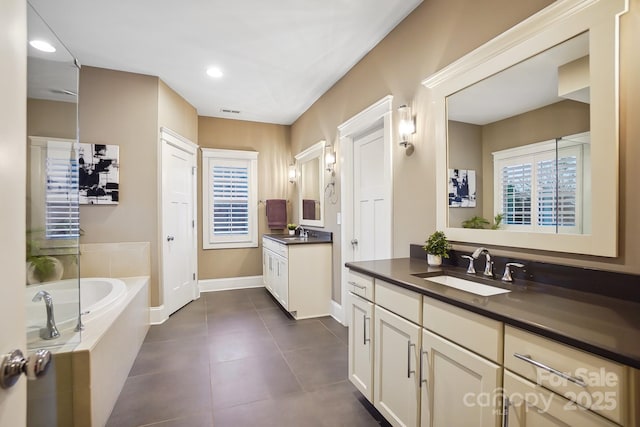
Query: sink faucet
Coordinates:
[303,233]
[50,332]
[506,277]
[488,268]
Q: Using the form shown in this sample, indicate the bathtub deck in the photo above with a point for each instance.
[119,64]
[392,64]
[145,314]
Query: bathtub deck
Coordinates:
[233,358]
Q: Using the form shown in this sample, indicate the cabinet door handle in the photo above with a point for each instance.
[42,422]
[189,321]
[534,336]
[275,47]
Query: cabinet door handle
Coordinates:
[365,340]
[357,286]
[409,371]
[505,412]
[528,359]
[422,354]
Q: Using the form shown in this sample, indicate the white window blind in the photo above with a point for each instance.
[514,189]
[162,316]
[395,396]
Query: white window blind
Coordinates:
[229,197]
[230,200]
[62,212]
[539,187]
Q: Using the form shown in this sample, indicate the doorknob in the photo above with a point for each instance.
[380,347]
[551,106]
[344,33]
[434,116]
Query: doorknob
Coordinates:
[354,242]
[14,364]
[170,238]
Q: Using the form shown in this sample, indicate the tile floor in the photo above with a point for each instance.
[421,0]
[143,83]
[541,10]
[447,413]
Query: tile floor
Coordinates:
[234,358]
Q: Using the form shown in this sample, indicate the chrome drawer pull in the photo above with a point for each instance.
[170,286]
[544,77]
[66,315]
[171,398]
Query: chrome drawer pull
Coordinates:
[364,330]
[528,359]
[357,286]
[409,371]
[422,354]
[505,412]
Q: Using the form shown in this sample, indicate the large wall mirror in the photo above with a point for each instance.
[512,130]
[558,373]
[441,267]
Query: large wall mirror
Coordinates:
[311,185]
[526,131]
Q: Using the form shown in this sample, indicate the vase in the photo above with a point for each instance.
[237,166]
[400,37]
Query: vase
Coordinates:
[434,260]
[292,232]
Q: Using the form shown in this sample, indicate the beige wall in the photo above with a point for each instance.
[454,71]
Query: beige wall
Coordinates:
[435,34]
[176,114]
[55,119]
[273,144]
[560,119]
[465,152]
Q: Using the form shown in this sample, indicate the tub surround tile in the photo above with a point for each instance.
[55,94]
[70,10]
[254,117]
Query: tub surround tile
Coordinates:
[126,259]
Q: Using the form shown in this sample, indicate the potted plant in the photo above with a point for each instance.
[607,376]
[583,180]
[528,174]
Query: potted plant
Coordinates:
[41,268]
[437,247]
[292,228]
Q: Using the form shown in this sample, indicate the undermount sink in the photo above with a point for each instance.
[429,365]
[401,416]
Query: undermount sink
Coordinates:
[294,238]
[467,285]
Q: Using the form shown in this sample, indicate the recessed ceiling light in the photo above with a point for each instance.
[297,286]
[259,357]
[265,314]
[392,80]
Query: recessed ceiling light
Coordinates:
[42,45]
[215,72]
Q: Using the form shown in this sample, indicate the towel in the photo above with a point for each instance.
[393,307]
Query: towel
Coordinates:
[308,209]
[277,213]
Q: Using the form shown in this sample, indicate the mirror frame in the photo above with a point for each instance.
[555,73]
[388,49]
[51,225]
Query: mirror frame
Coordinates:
[556,23]
[316,151]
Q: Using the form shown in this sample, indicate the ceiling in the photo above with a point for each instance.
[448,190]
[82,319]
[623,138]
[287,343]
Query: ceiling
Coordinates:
[278,56]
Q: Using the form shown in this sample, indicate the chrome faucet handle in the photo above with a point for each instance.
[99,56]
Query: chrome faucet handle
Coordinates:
[471,269]
[506,277]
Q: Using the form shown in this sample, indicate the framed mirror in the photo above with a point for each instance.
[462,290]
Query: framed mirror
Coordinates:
[311,185]
[526,131]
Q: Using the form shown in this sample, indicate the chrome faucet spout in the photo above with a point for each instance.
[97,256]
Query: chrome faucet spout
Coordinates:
[488,268]
[51,331]
[476,254]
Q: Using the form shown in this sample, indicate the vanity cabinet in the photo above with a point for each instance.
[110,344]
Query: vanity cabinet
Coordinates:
[396,384]
[361,345]
[298,276]
[459,387]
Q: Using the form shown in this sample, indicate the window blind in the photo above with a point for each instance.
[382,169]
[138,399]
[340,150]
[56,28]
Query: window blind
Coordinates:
[62,212]
[230,186]
[516,193]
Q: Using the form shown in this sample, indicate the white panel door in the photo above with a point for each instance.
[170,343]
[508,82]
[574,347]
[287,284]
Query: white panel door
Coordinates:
[396,377]
[178,225]
[361,345]
[371,194]
[13,164]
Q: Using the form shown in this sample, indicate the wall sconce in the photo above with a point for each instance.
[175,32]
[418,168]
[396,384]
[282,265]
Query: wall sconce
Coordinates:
[406,125]
[329,159]
[292,173]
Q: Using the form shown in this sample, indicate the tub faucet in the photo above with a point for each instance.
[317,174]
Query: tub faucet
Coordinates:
[50,332]
[488,268]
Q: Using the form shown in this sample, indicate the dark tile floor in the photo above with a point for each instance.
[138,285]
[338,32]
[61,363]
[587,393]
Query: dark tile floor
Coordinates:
[234,358]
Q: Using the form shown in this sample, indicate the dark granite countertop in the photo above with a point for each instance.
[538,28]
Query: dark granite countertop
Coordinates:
[605,326]
[297,240]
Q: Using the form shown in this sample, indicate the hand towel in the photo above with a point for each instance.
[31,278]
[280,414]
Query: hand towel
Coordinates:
[276,213]
[309,209]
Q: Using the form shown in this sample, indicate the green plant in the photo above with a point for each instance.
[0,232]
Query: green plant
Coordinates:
[497,220]
[437,244]
[476,222]
[292,226]
[43,265]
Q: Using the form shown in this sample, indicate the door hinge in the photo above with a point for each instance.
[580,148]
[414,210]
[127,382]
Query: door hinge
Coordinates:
[193,223]
[193,170]
[194,276]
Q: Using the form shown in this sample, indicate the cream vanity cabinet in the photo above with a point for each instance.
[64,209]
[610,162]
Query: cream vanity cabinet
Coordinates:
[462,373]
[298,276]
[550,383]
[361,333]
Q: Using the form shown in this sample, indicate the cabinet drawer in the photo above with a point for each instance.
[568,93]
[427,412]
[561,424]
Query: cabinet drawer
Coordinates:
[473,331]
[591,381]
[360,284]
[398,300]
[530,404]
[279,248]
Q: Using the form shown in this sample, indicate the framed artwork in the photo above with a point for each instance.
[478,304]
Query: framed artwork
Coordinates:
[98,169]
[462,188]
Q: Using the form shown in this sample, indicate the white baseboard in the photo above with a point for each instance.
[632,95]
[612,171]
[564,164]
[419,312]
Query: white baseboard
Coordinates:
[213,285]
[336,312]
[157,315]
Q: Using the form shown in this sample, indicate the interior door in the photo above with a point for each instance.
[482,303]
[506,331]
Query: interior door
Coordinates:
[178,226]
[372,209]
[13,163]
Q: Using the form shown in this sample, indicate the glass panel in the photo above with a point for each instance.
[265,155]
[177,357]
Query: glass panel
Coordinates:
[53,217]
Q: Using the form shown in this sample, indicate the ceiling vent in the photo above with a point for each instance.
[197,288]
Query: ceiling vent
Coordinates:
[230,111]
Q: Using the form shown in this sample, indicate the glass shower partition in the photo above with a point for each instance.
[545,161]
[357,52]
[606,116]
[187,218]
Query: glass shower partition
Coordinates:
[52,291]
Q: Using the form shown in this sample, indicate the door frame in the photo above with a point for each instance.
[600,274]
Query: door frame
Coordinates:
[170,138]
[377,113]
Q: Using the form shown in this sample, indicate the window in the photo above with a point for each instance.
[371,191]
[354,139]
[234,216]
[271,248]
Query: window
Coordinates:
[229,199]
[62,213]
[539,187]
